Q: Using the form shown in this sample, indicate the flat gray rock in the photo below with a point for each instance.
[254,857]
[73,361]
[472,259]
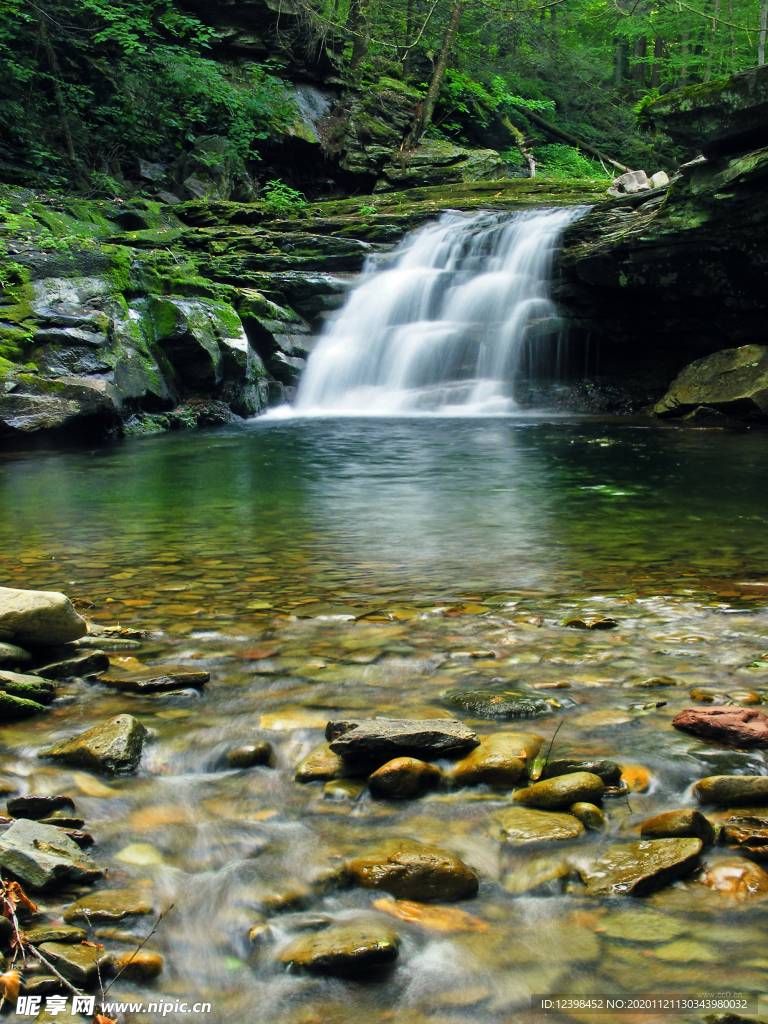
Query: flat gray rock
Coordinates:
[43,856]
[13,656]
[84,663]
[394,737]
[38,617]
[634,869]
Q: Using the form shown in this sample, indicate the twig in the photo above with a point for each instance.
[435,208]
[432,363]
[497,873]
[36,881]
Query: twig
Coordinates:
[551,742]
[49,965]
[140,947]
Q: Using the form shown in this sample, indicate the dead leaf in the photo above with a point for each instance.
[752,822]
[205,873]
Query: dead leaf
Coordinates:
[433,918]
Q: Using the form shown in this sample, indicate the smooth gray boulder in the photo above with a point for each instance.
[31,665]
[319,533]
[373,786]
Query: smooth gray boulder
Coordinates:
[733,382]
[386,738]
[84,663]
[39,617]
[111,747]
[12,656]
[43,856]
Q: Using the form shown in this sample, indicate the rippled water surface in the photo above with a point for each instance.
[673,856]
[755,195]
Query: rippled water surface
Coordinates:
[326,568]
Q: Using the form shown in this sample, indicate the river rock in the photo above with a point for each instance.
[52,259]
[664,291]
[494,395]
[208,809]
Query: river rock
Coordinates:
[321,765]
[142,965]
[638,868]
[609,771]
[684,824]
[13,708]
[404,778]
[250,756]
[27,686]
[500,761]
[160,684]
[747,829]
[343,789]
[413,871]
[562,791]
[737,877]
[733,381]
[495,705]
[13,656]
[526,825]
[108,905]
[733,790]
[112,747]
[55,933]
[588,814]
[37,807]
[742,727]
[345,949]
[383,739]
[87,663]
[39,617]
[42,856]
[538,877]
[80,964]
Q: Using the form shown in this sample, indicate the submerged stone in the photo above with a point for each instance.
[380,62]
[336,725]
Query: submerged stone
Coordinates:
[37,807]
[638,868]
[350,948]
[562,791]
[250,756]
[39,617]
[747,829]
[647,926]
[588,814]
[494,705]
[609,771]
[86,663]
[736,877]
[321,765]
[160,684]
[108,905]
[500,761]
[141,965]
[684,824]
[343,789]
[387,738]
[538,877]
[733,790]
[111,747]
[55,933]
[404,778]
[413,871]
[81,964]
[42,856]
[526,825]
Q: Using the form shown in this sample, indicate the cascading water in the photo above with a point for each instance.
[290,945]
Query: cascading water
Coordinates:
[445,325]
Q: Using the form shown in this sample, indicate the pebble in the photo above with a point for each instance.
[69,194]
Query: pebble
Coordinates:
[251,755]
[685,824]
[588,814]
[404,778]
[562,791]
[139,854]
[142,965]
[501,760]
[413,871]
[608,771]
[604,719]
[733,790]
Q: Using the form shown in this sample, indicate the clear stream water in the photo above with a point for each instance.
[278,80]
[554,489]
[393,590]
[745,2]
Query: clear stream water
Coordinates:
[338,567]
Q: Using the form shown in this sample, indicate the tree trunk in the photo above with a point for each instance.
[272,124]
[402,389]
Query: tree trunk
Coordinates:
[658,53]
[618,63]
[423,119]
[763,32]
[685,47]
[360,28]
[567,137]
[638,65]
[711,57]
[55,76]
[408,33]
[519,138]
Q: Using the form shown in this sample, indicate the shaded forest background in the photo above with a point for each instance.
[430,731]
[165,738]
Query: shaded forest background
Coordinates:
[91,89]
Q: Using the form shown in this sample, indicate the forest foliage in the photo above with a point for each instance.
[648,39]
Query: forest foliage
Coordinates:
[88,84]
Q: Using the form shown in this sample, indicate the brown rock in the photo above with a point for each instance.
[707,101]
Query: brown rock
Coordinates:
[403,778]
[250,755]
[344,949]
[500,761]
[736,877]
[685,824]
[635,869]
[526,825]
[733,790]
[321,766]
[562,791]
[741,727]
[588,814]
[747,829]
[108,905]
[413,871]
[140,966]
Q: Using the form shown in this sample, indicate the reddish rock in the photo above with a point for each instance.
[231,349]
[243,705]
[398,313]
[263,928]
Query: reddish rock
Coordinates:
[741,727]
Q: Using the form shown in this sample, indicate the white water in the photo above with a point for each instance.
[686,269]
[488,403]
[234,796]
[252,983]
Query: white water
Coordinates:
[446,325]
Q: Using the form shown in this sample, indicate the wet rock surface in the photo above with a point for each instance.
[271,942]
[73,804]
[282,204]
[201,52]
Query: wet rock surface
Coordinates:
[41,617]
[685,824]
[731,382]
[80,964]
[733,790]
[37,807]
[413,871]
[113,747]
[108,905]
[250,756]
[737,878]
[500,760]
[377,738]
[344,949]
[87,663]
[743,727]
[638,868]
[609,771]
[527,825]
[42,856]
[160,684]
[321,765]
[404,778]
[562,791]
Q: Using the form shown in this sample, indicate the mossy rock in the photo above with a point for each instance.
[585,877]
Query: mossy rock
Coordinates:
[13,708]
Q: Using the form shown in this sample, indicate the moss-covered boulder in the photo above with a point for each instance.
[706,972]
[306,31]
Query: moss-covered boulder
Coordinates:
[717,118]
[437,162]
[734,382]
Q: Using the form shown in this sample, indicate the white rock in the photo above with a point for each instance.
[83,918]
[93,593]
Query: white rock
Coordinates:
[659,178]
[39,617]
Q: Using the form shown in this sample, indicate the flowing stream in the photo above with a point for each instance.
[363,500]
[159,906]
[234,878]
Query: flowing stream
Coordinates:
[446,324]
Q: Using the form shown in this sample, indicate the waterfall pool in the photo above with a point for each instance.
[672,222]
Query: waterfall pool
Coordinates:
[339,568]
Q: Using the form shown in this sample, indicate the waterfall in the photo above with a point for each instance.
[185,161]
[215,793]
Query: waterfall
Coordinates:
[444,324]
